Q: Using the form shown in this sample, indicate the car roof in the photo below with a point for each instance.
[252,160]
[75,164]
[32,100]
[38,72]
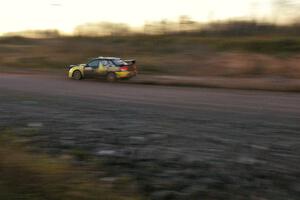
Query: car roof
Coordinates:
[107,58]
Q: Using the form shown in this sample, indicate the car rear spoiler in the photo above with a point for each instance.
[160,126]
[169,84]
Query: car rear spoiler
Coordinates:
[130,62]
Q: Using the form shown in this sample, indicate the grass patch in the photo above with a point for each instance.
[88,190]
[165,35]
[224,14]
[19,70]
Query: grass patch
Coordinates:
[265,46]
[27,175]
[173,54]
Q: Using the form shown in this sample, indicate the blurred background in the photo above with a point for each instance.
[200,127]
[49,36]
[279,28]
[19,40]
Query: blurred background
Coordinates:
[64,139]
[194,38]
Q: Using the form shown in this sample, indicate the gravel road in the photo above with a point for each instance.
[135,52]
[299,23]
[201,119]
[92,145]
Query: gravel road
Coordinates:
[177,142]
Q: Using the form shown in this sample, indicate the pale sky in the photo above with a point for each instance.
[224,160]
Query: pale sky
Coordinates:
[17,15]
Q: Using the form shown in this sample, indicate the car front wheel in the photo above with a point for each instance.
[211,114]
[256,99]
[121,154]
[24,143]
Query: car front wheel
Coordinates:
[77,75]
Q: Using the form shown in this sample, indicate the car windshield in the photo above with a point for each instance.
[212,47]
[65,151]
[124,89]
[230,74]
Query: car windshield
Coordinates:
[119,62]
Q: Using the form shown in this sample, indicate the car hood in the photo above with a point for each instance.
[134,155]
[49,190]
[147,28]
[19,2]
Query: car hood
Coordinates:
[81,66]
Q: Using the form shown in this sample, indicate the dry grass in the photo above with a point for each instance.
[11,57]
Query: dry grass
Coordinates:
[26,175]
[168,54]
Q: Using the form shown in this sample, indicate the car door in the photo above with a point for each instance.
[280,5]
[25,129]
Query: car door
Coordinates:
[91,68]
[112,66]
[102,70]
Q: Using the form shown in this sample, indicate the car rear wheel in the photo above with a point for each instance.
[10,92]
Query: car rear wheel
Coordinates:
[77,75]
[111,77]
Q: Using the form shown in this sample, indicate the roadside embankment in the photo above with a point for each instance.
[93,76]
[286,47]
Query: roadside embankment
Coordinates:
[271,84]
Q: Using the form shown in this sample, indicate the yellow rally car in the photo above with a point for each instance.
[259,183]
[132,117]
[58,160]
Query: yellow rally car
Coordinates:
[109,67]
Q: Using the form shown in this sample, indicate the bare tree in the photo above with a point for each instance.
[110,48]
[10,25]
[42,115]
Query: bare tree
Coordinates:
[101,29]
[285,10]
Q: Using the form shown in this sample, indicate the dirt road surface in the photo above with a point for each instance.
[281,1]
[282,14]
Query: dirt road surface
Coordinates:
[177,142]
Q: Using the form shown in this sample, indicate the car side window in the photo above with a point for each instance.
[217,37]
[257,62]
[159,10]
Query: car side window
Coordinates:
[104,62]
[94,64]
[111,64]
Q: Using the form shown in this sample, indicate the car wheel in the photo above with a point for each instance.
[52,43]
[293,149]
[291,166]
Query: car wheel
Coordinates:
[77,75]
[111,77]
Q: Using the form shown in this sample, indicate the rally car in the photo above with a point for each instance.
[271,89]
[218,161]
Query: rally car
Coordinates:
[111,68]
